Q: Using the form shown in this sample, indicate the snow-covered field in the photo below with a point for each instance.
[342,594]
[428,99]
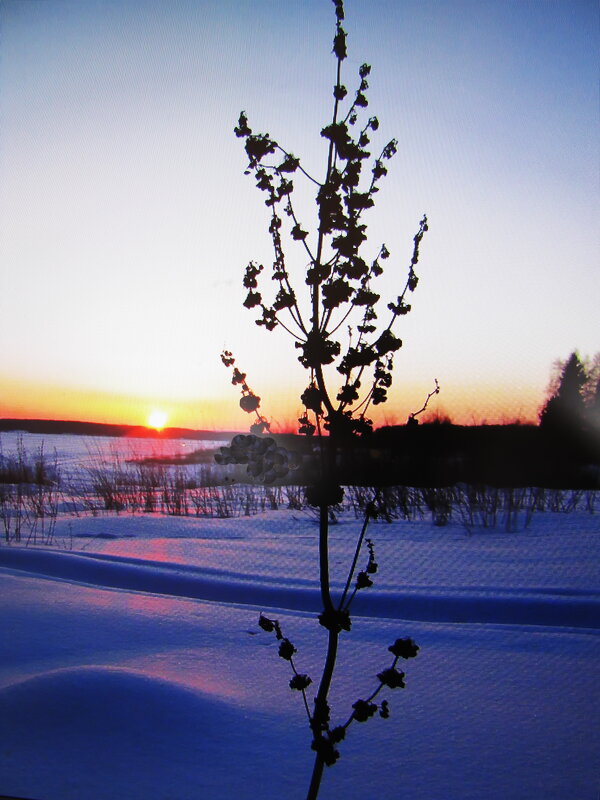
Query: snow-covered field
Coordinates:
[132,666]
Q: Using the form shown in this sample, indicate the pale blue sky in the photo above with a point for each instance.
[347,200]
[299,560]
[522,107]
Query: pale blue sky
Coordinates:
[126,220]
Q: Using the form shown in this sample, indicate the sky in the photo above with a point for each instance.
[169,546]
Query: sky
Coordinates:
[126,220]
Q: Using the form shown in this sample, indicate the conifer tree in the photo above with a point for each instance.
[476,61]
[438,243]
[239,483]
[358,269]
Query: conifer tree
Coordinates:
[565,410]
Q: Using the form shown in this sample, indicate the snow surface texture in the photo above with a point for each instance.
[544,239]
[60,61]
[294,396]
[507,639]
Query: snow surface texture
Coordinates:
[132,665]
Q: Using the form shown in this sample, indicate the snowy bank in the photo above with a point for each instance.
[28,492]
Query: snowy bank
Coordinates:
[134,668]
[559,608]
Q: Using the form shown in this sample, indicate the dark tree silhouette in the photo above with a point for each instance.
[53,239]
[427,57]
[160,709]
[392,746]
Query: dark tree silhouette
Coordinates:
[565,410]
[593,411]
[335,329]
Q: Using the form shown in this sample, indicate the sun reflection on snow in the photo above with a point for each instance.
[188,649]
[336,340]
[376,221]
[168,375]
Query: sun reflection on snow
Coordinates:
[193,668]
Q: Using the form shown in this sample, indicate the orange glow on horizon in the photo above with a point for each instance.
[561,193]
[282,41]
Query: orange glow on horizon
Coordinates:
[26,399]
[466,404]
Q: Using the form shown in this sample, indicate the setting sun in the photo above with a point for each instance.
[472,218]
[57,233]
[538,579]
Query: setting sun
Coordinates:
[157,419]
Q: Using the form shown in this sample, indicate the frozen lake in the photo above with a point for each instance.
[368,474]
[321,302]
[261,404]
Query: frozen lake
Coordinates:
[74,454]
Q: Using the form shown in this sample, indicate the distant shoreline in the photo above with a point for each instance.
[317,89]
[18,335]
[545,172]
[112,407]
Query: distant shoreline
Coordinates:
[429,454]
[76,428]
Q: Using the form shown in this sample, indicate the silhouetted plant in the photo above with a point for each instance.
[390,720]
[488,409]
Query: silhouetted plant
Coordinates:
[29,494]
[249,401]
[340,280]
[412,418]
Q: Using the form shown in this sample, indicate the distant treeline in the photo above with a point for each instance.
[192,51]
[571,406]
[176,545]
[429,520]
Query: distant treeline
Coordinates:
[434,454]
[101,429]
[494,455]
[446,454]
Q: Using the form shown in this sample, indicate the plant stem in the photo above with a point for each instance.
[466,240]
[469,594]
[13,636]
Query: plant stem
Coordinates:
[356,555]
[324,557]
[332,645]
[320,700]
[315,783]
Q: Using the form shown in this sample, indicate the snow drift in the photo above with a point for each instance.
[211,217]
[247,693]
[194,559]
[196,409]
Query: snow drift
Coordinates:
[559,608]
